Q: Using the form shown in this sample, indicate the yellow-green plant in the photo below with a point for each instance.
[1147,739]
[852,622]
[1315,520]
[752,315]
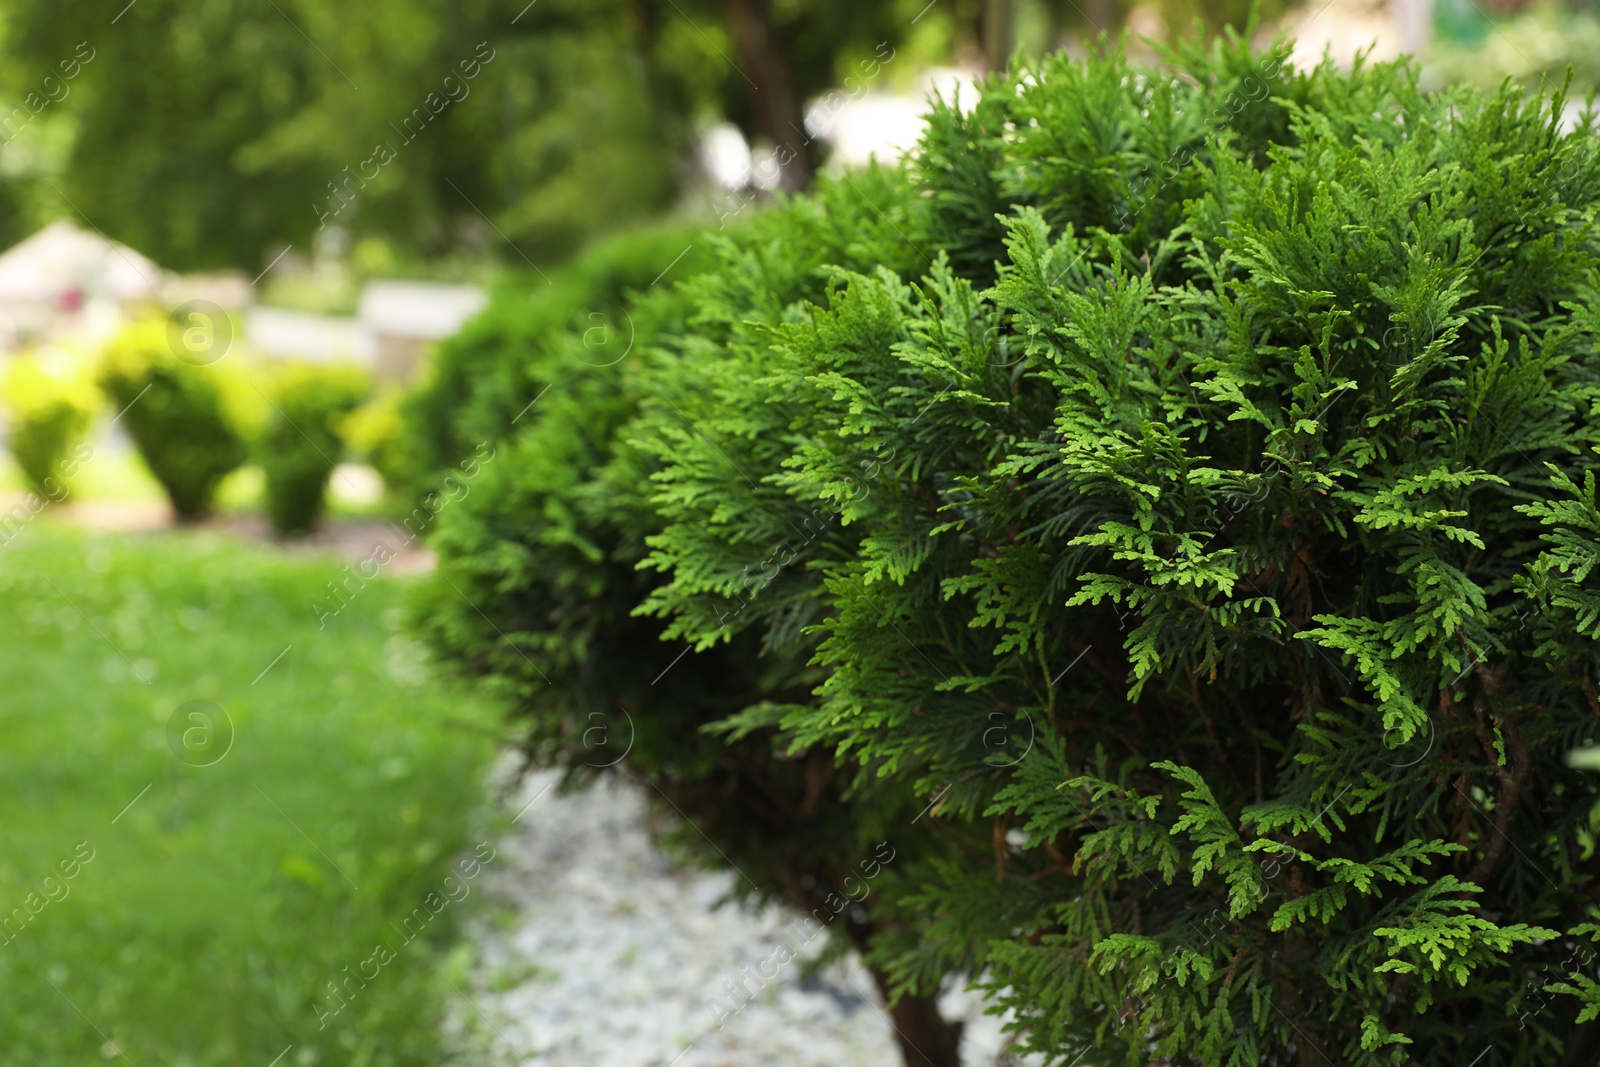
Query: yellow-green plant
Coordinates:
[50,402]
[374,434]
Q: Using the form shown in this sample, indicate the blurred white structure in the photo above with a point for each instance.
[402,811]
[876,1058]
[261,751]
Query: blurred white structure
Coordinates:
[858,125]
[66,281]
[391,333]
[226,289]
[1385,29]
[862,126]
[403,320]
[725,156]
[1343,28]
[304,337]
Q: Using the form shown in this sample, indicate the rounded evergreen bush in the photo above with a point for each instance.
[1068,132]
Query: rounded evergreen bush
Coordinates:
[1236,449]
[375,434]
[181,416]
[300,444]
[1184,482]
[50,404]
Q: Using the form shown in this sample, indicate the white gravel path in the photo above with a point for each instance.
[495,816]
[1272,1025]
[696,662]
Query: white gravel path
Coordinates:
[603,954]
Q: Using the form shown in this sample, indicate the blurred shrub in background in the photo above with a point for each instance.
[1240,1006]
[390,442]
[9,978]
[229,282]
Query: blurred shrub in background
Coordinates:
[184,419]
[484,377]
[300,444]
[1534,48]
[374,434]
[50,401]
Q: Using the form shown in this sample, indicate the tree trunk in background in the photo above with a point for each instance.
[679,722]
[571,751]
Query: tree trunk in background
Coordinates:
[1102,16]
[999,33]
[772,100]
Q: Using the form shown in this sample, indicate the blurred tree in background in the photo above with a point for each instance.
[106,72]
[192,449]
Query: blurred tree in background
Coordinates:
[207,132]
[212,133]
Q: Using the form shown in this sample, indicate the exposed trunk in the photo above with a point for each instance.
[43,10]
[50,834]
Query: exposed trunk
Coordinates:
[1583,1044]
[926,1038]
[772,101]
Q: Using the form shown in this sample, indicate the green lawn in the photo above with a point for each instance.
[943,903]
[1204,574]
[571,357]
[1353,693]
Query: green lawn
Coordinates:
[217,909]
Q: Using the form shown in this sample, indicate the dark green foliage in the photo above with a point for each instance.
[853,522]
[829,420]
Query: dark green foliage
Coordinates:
[1214,531]
[1258,492]
[176,413]
[300,444]
[211,133]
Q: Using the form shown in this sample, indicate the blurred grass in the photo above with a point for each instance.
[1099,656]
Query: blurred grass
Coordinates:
[212,916]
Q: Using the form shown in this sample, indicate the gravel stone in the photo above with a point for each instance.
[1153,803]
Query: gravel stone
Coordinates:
[604,952]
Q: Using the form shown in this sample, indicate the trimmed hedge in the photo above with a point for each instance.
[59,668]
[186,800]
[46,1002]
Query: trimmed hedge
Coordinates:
[300,444]
[1184,481]
[51,404]
[375,434]
[177,413]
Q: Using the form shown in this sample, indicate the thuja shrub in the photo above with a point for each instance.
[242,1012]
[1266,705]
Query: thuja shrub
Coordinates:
[51,403]
[539,585]
[1256,512]
[299,443]
[183,418]
[374,434]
